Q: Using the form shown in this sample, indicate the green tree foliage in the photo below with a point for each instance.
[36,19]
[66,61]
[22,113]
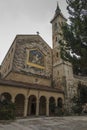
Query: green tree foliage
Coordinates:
[77,105]
[75,35]
[82,93]
[7,110]
[80,99]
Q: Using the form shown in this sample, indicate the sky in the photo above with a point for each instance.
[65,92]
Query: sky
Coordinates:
[26,17]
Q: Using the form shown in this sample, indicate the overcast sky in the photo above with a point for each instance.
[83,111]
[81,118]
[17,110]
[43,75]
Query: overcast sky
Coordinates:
[26,17]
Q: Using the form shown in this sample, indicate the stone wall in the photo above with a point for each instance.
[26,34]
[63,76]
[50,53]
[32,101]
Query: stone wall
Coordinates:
[23,45]
[6,65]
[41,72]
[28,79]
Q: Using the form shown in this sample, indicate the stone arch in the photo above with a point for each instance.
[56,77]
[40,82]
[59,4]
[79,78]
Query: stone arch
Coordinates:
[60,102]
[42,105]
[19,103]
[31,105]
[6,96]
[52,105]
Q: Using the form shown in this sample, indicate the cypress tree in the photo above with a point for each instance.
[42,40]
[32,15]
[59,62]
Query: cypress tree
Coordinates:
[74,43]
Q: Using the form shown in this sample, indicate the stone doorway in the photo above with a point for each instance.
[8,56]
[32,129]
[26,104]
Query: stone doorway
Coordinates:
[52,106]
[31,105]
[60,103]
[19,103]
[42,106]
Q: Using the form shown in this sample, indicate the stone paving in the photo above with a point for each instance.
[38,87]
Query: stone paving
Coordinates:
[47,123]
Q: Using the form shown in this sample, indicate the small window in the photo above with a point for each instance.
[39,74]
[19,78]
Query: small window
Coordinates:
[55,26]
[56,39]
[57,55]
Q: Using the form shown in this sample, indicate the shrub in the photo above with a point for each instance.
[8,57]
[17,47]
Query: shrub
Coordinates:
[59,111]
[77,109]
[7,110]
[77,105]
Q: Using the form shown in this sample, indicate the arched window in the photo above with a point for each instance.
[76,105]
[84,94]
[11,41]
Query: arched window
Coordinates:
[60,103]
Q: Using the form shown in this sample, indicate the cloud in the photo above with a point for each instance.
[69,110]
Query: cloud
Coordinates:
[26,17]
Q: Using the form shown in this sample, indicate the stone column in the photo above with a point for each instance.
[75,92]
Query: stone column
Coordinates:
[13,99]
[37,108]
[25,107]
[56,102]
[47,107]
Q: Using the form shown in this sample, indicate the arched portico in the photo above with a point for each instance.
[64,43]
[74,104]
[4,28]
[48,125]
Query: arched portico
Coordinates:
[19,103]
[60,102]
[31,105]
[6,96]
[42,105]
[51,106]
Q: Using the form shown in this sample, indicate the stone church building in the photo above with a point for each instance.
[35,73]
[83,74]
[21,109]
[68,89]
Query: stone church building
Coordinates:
[33,75]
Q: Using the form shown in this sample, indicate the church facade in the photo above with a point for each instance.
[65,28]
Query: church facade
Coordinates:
[34,76]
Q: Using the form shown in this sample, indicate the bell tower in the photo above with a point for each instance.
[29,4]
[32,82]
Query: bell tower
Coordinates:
[62,70]
[57,22]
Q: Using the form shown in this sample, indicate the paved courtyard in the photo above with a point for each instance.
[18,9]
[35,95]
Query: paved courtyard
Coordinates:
[47,123]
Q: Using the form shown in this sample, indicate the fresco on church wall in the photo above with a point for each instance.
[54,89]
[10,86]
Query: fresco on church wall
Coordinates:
[36,57]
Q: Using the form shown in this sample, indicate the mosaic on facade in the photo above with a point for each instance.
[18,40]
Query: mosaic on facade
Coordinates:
[36,58]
